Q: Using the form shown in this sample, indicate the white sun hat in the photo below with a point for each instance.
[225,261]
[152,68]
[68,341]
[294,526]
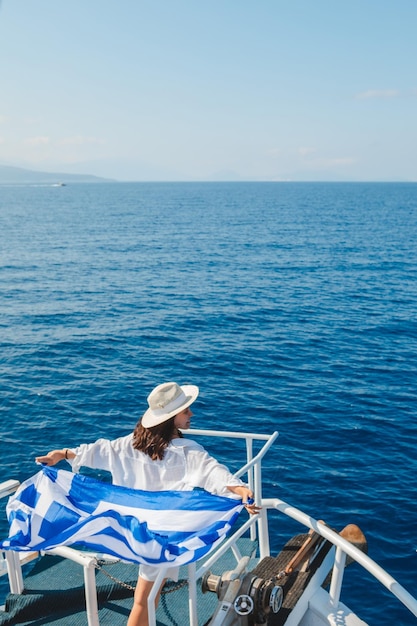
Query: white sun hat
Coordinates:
[167,400]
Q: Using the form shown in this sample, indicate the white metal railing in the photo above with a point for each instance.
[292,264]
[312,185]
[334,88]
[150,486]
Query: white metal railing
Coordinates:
[258,527]
[258,524]
[14,561]
[343,548]
[13,566]
[88,562]
[8,487]
[338,555]
[253,470]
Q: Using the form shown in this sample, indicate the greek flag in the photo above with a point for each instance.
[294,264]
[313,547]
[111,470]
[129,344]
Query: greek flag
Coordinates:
[57,507]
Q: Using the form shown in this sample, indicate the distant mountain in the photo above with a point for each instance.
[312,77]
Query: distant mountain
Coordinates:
[19,176]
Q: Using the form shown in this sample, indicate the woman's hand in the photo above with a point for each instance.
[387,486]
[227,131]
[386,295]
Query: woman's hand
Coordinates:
[247,498]
[55,456]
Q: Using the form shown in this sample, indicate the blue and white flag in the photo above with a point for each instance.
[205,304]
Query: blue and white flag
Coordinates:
[59,508]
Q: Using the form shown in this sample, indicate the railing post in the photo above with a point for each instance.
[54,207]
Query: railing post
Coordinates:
[91,595]
[262,524]
[14,567]
[337,577]
[14,570]
[192,594]
[251,479]
[152,597]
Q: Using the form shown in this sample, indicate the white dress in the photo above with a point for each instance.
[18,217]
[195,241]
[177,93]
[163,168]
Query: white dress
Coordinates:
[185,465]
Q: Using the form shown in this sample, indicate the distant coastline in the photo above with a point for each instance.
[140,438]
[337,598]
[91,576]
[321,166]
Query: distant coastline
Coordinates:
[10,175]
[16,176]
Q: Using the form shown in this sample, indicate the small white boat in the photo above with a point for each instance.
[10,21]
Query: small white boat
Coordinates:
[240,583]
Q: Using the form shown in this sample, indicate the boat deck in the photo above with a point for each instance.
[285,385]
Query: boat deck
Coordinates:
[54,594]
[54,590]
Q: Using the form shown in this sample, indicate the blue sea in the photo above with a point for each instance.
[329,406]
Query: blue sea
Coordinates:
[293,306]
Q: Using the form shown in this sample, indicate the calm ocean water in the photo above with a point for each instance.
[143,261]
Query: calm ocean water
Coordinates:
[292,306]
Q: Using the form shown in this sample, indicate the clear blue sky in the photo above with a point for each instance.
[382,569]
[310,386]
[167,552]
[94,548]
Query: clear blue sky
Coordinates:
[210,89]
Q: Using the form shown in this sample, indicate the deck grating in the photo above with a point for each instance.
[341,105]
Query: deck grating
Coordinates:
[54,595]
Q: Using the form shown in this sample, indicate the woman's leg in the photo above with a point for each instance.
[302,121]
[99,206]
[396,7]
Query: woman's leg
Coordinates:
[139,613]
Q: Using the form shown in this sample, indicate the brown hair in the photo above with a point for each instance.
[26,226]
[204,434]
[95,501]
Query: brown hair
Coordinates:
[153,441]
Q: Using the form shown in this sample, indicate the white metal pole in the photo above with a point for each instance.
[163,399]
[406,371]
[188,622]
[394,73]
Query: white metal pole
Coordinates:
[14,571]
[251,480]
[152,597]
[91,595]
[263,534]
[337,576]
[192,594]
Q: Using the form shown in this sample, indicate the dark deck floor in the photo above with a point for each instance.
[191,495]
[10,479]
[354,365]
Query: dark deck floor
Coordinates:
[54,595]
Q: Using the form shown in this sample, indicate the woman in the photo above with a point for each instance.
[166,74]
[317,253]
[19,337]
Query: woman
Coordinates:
[156,457]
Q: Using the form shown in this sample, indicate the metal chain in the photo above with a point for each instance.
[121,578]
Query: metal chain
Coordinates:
[99,565]
[180,584]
